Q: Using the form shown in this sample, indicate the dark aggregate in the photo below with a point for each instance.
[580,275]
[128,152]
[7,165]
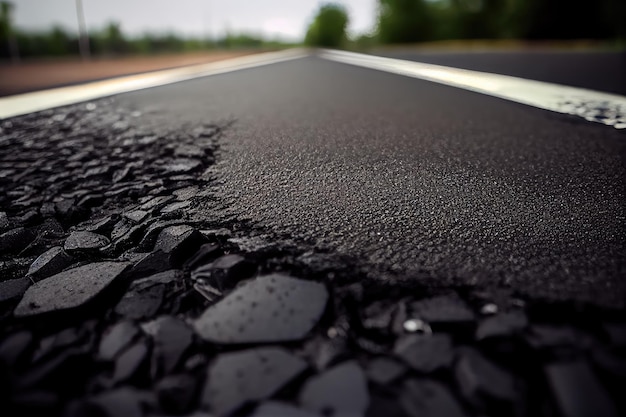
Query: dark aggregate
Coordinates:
[69,289]
[577,390]
[276,409]
[172,312]
[176,393]
[384,370]
[429,398]
[235,379]
[13,288]
[224,272]
[341,391]
[49,263]
[270,308]
[172,338]
[85,241]
[116,338]
[131,363]
[425,353]
[484,385]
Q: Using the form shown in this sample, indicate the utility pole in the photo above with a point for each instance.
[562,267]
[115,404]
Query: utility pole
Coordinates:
[83,37]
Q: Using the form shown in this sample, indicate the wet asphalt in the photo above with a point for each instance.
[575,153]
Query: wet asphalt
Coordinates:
[415,180]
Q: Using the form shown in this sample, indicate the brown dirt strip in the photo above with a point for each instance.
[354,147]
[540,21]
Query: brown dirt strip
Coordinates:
[42,74]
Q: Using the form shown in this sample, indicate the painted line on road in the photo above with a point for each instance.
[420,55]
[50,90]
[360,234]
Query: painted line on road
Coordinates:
[594,106]
[46,99]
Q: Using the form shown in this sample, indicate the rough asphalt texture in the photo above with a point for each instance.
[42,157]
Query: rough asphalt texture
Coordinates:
[602,71]
[432,182]
[141,278]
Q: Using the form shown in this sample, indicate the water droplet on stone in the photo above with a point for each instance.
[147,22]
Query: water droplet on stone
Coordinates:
[416,325]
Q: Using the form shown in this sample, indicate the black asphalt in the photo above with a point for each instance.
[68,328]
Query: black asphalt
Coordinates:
[596,70]
[417,180]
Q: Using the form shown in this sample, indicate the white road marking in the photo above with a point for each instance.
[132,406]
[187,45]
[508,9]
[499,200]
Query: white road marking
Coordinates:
[609,109]
[41,100]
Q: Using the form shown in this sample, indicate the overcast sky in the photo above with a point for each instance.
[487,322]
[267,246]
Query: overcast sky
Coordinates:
[285,19]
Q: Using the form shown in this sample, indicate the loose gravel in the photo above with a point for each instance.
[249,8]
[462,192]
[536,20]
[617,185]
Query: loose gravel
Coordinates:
[118,297]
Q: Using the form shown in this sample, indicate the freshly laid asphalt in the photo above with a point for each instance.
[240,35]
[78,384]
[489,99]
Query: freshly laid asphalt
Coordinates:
[417,180]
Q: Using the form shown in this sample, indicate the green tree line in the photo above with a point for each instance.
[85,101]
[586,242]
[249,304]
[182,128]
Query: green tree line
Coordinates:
[397,21]
[409,21]
[111,40]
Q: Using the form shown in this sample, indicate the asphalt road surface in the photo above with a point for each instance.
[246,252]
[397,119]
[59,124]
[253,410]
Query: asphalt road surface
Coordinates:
[246,243]
[602,71]
[415,179]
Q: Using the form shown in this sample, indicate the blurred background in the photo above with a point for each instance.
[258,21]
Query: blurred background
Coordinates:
[49,36]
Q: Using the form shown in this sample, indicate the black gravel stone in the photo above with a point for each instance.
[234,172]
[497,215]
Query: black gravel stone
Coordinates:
[15,240]
[444,313]
[128,239]
[271,308]
[384,370]
[4,222]
[91,200]
[13,289]
[15,347]
[116,338]
[69,289]
[322,353]
[340,391]
[68,213]
[165,277]
[104,225]
[225,272]
[141,301]
[29,218]
[557,338]
[152,233]
[71,365]
[235,379]
[155,203]
[121,228]
[51,228]
[377,319]
[428,398]
[425,353]
[502,325]
[277,409]
[132,363]
[172,338]
[206,254]
[577,391]
[151,263]
[57,342]
[49,263]
[176,393]
[137,216]
[116,403]
[176,207]
[83,241]
[179,243]
[484,385]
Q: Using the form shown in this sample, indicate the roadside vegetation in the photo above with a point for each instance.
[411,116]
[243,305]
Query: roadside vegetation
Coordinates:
[112,41]
[422,21]
[397,22]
